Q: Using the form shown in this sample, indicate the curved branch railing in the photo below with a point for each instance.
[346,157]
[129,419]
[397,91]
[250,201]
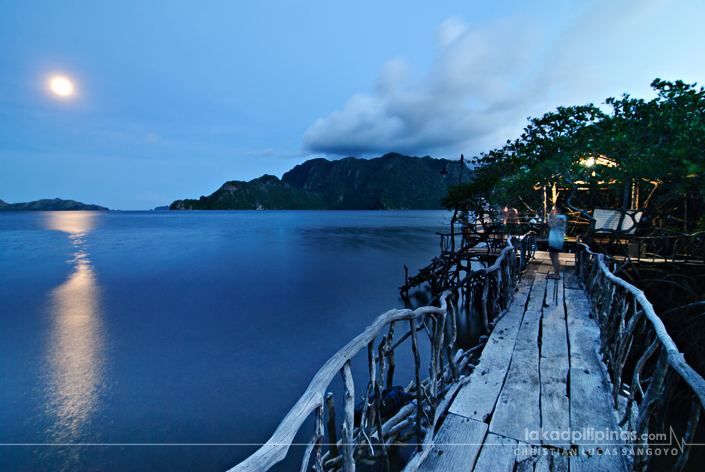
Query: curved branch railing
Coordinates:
[447,270]
[631,333]
[367,433]
[658,246]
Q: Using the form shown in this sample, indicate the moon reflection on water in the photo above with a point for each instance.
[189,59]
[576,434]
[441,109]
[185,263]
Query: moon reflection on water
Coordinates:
[75,353]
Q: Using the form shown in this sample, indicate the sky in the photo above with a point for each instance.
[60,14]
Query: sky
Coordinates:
[173,98]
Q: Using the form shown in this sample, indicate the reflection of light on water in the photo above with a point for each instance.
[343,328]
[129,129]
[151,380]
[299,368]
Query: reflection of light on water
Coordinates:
[75,352]
[76,223]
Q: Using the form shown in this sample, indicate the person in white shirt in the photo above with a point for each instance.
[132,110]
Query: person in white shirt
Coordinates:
[558,222]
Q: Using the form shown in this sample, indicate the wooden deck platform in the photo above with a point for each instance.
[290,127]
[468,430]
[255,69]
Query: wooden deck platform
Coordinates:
[539,398]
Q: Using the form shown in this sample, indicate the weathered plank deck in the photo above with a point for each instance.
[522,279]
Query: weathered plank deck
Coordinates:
[539,393]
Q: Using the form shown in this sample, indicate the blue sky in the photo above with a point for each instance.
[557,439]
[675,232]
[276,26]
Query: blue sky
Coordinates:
[173,98]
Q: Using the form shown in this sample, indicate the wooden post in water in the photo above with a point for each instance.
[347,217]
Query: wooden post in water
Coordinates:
[406,281]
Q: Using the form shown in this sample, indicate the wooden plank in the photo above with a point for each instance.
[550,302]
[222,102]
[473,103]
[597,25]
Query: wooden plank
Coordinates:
[496,455]
[554,294]
[543,463]
[477,399]
[554,365]
[523,289]
[518,405]
[526,280]
[542,459]
[583,332]
[590,416]
[537,266]
[538,293]
[566,259]
[560,462]
[457,444]
[555,404]
[553,333]
[526,464]
[591,408]
[591,459]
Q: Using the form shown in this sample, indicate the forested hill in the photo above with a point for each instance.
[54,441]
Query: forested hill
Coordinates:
[392,181]
[55,204]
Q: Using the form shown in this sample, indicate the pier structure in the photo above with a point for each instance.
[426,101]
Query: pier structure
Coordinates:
[539,398]
[576,374]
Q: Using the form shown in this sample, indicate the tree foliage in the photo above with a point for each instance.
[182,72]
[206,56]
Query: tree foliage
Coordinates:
[647,154]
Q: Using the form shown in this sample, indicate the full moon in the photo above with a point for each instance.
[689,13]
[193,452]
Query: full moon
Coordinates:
[61,86]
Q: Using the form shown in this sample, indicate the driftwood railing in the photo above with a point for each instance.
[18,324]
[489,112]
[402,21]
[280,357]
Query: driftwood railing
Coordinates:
[663,246]
[643,362]
[367,434]
[451,267]
[492,242]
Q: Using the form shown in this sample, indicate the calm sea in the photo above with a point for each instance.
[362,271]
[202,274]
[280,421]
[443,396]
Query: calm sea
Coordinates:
[178,340]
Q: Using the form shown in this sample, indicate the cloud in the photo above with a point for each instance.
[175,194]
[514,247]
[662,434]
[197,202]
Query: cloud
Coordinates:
[486,80]
[466,96]
[450,30]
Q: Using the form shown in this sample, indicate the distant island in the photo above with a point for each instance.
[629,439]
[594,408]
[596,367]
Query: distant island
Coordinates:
[49,205]
[390,182]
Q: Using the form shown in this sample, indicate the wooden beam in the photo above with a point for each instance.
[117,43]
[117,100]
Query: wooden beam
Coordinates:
[517,409]
[554,365]
[497,455]
[591,406]
[457,445]
[477,399]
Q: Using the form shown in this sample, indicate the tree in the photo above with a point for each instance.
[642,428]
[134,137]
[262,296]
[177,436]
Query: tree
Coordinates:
[646,154]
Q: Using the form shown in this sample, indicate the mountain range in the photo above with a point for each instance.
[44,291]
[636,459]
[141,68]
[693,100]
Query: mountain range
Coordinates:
[393,181]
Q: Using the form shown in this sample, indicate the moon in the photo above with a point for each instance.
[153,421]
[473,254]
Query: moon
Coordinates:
[61,86]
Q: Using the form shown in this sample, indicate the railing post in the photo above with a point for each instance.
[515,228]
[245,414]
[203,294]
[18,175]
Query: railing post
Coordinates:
[318,464]
[693,418]
[389,354]
[483,301]
[648,403]
[417,365]
[315,443]
[378,405]
[349,422]
[332,435]
[453,337]
[636,381]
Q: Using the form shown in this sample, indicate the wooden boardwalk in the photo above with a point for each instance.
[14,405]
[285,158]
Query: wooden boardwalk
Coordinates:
[539,398]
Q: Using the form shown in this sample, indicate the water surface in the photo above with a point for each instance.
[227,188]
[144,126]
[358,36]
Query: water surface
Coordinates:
[178,340]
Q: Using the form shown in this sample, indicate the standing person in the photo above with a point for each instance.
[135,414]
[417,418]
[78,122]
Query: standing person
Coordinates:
[558,222]
[465,228]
